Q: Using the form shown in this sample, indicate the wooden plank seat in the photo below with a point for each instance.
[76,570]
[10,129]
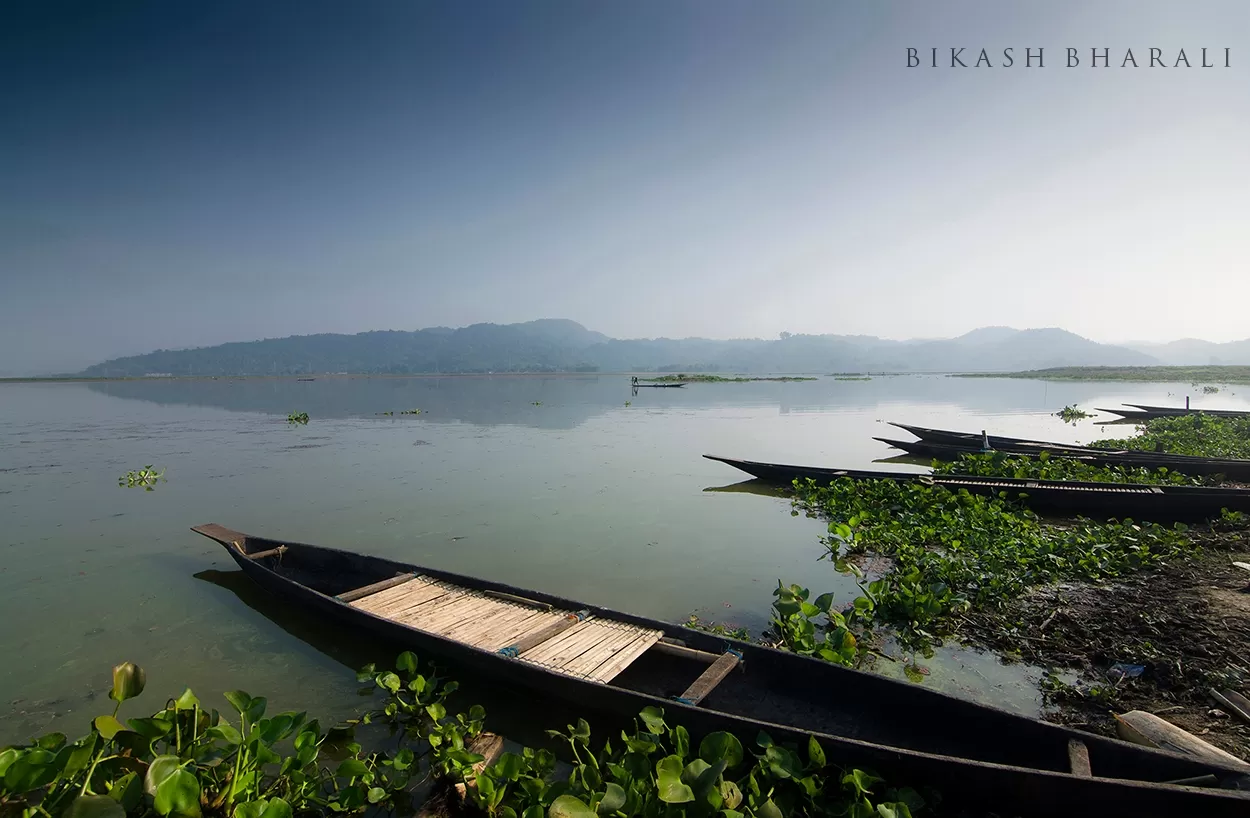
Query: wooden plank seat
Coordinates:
[572,643]
[710,678]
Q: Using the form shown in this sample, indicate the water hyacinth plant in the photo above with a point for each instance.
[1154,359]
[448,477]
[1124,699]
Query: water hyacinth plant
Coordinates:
[145,478]
[189,761]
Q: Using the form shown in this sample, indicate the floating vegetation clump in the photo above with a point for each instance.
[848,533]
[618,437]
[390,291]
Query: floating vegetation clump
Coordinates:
[1071,414]
[948,552]
[145,478]
[1210,390]
[411,412]
[188,761]
[297,417]
[1196,434]
[1045,467]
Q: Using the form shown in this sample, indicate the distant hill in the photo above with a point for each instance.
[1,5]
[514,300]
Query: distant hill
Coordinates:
[559,345]
[1195,352]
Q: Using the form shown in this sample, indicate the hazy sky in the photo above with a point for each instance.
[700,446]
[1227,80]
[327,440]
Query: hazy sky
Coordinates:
[179,174]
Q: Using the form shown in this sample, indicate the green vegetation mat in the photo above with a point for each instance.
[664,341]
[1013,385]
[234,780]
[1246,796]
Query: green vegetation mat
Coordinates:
[187,760]
[1178,374]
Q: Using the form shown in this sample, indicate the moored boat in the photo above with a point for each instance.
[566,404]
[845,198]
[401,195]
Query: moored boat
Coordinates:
[1146,412]
[955,444]
[613,662]
[1160,504]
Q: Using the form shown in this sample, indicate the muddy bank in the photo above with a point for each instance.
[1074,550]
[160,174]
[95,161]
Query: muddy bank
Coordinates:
[1184,628]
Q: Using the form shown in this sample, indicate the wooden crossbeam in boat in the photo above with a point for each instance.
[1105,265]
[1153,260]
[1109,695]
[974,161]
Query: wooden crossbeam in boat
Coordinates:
[1078,758]
[269,552]
[711,677]
[675,648]
[359,593]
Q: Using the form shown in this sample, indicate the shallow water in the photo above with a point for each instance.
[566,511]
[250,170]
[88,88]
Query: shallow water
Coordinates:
[551,483]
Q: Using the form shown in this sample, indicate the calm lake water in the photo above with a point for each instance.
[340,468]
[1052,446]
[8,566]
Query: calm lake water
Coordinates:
[551,483]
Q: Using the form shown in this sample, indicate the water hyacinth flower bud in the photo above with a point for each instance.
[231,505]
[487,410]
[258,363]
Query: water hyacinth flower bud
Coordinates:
[128,681]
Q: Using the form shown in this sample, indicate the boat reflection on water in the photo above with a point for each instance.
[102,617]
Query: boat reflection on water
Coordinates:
[763,488]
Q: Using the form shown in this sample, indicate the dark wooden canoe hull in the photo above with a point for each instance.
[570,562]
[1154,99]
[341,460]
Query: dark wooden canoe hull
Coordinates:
[1071,498]
[1151,412]
[1237,470]
[658,385]
[970,438]
[1034,783]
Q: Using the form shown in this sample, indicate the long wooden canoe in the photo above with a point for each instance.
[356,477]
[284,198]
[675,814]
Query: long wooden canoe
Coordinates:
[658,385]
[612,662]
[1145,412]
[943,445]
[1160,504]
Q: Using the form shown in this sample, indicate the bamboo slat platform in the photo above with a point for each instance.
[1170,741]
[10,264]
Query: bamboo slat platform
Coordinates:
[588,648]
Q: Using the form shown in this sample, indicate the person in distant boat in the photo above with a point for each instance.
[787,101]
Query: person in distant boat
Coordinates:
[634,380]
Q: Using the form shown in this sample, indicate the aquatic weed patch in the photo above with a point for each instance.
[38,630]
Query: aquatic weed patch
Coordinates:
[1198,434]
[1045,467]
[190,761]
[952,551]
[1071,414]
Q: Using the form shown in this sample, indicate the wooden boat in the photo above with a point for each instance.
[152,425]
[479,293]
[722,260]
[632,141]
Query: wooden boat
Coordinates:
[658,385]
[959,438]
[1069,498]
[1151,412]
[617,663]
[964,443]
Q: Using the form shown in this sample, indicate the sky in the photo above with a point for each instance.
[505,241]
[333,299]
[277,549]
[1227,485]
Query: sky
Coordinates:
[178,174]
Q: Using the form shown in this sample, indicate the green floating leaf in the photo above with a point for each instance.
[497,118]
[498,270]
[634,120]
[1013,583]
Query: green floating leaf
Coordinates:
[769,810]
[128,681]
[653,717]
[613,799]
[672,790]
[815,753]
[127,791]
[108,726]
[569,806]
[351,768]
[239,700]
[179,795]
[407,662]
[95,806]
[187,701]
[721,745]
[161,768]
[30,771]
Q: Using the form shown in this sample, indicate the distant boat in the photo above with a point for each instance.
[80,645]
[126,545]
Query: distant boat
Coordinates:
[659,385]
[305,379]
[1140,412]
[618,663]
[1160,504]
[1230,469]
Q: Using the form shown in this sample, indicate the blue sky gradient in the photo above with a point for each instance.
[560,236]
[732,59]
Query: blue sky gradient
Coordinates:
[179,174]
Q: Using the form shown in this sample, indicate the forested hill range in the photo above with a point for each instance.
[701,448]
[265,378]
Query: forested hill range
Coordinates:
[557,345]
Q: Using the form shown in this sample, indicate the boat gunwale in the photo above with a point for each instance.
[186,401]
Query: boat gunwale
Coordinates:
[1013,482]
